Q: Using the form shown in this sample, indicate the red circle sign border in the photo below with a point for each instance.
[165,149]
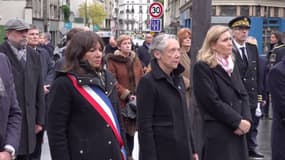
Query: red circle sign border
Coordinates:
[151,5]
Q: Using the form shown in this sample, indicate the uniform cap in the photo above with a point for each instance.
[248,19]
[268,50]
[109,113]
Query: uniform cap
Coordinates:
[241,21]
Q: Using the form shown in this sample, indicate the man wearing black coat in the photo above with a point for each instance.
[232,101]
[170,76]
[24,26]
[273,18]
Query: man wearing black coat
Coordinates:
[142,51]
[10,115]
[277,88]
[111,47]
[47,75]
[26,68]
[247,60]
[46,43]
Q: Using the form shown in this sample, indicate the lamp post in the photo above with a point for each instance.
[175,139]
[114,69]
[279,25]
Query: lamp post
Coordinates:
[199,30]
[86,15]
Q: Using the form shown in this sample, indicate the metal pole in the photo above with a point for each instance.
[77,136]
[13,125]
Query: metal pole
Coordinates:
[45,15]
[86,18]
[200,26]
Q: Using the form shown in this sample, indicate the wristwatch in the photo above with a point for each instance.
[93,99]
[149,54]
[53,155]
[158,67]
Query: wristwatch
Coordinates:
[10,149]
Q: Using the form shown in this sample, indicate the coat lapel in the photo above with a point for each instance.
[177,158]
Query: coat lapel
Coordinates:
[235,78]
[231,81]
[222,74]
[236,52]
[251,61]
[12,57]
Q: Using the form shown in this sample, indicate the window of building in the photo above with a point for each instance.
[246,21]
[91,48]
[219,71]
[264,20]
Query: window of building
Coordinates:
[148,1]
[213,10]
[127,10]
[39,9]
[266,11]
[228,10]
[244,10]
[133,10]
[257,11]
[140,10]
[276,12]
[55,12]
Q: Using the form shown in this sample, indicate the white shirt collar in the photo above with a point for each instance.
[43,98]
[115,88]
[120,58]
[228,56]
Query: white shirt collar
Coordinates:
[238,45]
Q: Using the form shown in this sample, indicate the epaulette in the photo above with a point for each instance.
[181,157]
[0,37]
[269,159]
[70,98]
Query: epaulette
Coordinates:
[252,43]
[280,46]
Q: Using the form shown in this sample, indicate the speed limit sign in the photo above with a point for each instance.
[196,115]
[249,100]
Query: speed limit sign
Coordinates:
[155,10]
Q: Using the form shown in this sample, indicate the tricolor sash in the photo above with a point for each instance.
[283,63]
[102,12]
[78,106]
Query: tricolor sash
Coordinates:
[101,103]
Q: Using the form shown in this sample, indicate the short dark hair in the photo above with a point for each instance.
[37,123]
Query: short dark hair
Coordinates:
[80,44]
[32,26]
[278,36]
[71,32]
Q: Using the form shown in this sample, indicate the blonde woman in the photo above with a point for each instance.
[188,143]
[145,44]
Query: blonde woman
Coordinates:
[222,98]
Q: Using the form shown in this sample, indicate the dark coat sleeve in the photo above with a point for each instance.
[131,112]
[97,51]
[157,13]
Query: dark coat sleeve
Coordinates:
[277,87]
[208,98]
[50,70]
[15,117]
[146,103]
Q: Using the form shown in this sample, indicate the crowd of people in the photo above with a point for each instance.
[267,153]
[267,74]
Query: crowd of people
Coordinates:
[94,97]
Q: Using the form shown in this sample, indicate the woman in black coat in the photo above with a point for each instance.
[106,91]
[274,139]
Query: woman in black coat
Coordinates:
[222,98]
[84,115]
[163,123]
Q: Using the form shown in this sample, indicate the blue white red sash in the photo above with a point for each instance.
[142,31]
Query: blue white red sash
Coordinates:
[101,103]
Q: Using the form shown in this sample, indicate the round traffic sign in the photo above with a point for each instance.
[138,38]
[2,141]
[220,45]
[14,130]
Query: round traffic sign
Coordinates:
[155,10]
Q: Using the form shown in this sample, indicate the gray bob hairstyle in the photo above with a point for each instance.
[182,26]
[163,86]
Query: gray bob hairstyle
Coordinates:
[159,42]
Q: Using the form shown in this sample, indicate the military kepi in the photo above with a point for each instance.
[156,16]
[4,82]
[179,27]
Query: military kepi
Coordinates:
[241,21]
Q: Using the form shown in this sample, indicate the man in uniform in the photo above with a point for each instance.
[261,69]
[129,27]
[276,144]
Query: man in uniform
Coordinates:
[247,62]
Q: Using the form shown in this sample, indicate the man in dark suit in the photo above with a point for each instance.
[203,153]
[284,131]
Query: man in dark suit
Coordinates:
[247,62]
[10,115]
[277,88]
[47,75]
[142,51]
[26,68]
[46,43]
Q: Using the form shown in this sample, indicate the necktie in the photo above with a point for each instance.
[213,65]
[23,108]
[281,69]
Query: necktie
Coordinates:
[244,58]
[22,59]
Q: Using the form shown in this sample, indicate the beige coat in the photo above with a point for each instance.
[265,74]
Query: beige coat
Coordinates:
[185,61]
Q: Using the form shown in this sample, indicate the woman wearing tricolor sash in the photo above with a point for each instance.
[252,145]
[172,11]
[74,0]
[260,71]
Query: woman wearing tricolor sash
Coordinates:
[84,114]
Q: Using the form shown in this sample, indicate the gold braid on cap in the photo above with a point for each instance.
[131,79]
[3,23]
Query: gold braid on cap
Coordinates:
[243,22]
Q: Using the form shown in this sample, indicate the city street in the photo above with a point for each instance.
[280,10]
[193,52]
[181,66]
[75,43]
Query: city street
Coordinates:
[263,141]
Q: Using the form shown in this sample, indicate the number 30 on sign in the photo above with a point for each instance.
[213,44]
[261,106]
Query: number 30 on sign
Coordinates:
[155,10]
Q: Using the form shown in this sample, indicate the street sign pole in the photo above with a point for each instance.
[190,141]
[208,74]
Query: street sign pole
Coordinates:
[155,10]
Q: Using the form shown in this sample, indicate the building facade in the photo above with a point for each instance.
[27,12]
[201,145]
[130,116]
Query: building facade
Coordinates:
[131,16]
[43,13]
[266,16]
